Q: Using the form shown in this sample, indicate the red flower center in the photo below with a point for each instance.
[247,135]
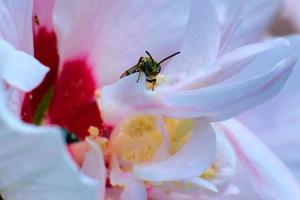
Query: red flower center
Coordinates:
[66,98]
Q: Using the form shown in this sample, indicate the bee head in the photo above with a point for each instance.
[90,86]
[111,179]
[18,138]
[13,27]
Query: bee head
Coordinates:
[155,68]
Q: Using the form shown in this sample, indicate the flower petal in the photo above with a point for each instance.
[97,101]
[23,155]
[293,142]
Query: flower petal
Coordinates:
[284,120]
[34,163]
[201,42]
[115,34]
[265,11]
[214,104]
[269,177]
[184,164]
[44,11]
[19,68]
[163,151]
[204,184]
[16,24]
[219,103]
[133,189]
[94,166]
[231,63]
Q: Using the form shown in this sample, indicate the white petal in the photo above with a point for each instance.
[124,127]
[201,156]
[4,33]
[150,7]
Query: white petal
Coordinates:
[231,63]
[257,15]
[190,161]
[269,177]
[201,42]
[227,10]
[230,19]
[163,151]
[219,103]
[215,103]
[224,162]
[133,189]
[204,184]
[113,35]
[94,166]
[284,120]
[19,68]
[16,23]
[34,163]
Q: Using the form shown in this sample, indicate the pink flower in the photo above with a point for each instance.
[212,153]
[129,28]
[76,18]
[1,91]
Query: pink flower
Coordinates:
[144,142]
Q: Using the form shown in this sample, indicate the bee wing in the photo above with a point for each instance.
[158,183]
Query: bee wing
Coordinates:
[132,70]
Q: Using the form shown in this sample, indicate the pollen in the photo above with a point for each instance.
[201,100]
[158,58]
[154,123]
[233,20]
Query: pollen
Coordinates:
[139,138]
[103,142]
[93,131]
[210,173]
[160,79]
[179,132]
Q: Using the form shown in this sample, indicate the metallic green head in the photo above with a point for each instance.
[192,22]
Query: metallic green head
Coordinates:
[151,68]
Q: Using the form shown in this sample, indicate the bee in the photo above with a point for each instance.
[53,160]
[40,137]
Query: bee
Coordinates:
[149,66]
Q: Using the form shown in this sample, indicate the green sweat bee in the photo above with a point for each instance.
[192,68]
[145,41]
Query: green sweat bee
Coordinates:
[149,66]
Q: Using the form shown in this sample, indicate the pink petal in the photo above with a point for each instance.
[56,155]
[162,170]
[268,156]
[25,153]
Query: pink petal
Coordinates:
[19,69]
[184,164]
[201,42]
[269,177]
[34,163]
[157,194]
[115,34]
[16,24]
[132,189]
[94,166]
[282,122]
[231,63]
[215,103]
[257,15]
[44,11]
[219,103]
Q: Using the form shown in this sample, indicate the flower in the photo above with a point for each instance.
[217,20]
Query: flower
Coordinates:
[212,50]
[32,158]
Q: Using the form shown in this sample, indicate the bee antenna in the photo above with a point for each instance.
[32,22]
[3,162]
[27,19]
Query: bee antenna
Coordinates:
[150,57]
[168,57]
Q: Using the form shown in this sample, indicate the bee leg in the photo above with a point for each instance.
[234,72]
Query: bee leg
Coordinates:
[153,85]
[140,72]
[139,69]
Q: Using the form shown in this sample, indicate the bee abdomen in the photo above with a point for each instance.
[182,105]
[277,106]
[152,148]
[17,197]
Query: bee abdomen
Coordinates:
[126,73]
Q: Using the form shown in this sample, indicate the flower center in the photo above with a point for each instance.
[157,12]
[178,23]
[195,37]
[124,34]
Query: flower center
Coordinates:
[138,138]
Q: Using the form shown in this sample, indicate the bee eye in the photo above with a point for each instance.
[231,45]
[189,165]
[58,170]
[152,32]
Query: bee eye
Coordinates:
[158,69]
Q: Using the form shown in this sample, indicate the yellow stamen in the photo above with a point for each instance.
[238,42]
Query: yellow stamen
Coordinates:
[138,140]
[103,142]
[139,137]
[209,173]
